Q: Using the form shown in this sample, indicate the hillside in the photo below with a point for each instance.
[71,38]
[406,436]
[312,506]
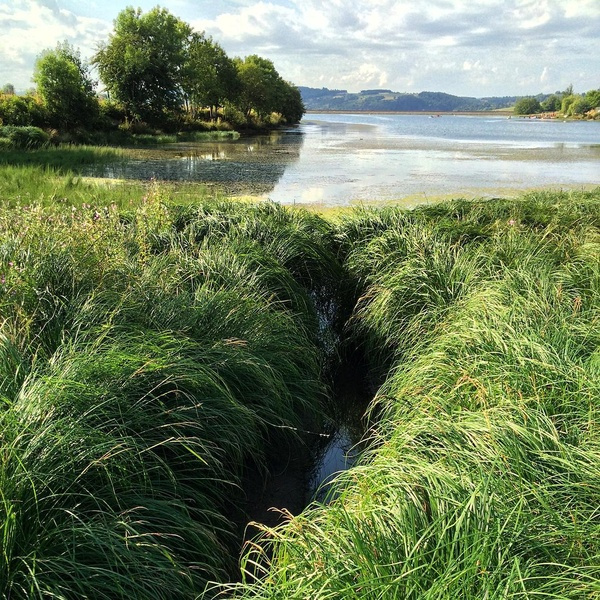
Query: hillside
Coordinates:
[386,100]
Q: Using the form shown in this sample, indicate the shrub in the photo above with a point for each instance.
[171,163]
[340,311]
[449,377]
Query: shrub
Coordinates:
[22,111]
[25,137]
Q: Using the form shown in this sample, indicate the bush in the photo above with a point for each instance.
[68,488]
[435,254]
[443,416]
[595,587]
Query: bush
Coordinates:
[25,137]
[22,111]
[527,106]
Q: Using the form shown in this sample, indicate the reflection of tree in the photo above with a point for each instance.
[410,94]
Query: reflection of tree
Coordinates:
[251,165]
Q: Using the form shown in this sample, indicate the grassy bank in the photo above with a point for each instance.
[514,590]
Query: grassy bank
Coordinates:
[482,477]
[155,348]
[149,356]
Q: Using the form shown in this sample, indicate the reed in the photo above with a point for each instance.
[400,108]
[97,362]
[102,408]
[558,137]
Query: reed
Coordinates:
[142,373]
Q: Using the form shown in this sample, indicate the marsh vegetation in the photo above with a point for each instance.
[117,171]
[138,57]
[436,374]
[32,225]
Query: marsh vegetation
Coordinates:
[158,345]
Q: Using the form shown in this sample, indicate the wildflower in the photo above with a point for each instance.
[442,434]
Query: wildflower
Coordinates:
[512,222]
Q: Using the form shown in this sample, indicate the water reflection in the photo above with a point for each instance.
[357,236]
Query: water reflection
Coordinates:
[339,159]
[252,165]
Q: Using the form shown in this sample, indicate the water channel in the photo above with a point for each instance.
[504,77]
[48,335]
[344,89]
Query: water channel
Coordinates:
[340,159]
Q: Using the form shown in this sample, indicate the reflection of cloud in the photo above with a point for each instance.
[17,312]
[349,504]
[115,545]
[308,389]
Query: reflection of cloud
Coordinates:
[312,195]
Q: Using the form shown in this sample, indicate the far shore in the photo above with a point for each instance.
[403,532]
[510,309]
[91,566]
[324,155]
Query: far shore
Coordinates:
[427,113]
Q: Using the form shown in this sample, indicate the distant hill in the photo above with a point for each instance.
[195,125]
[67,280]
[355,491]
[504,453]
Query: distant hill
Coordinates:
[386,100]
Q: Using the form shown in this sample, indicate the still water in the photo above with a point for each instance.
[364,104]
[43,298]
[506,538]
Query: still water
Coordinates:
[338,159]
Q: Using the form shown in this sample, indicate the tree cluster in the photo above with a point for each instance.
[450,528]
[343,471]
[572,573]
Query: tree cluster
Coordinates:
[567,103]
[156,70]
[161,70]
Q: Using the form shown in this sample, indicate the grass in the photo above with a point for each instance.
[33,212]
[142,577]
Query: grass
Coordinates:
[481,476]
[149,357]
[64,159]
[156,348]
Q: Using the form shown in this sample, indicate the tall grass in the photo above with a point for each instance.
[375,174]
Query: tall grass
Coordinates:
[482,474]
[153,353]
[143,369]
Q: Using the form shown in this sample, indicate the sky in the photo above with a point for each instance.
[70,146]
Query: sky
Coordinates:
[463,47]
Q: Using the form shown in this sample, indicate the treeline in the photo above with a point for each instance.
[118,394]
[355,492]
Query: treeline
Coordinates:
[157,72]
[566,103]
[387,100]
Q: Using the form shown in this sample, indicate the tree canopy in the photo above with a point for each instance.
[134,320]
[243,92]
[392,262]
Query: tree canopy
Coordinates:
[211,78]
[157,67]
[65,86]
[527,106]
[142,64]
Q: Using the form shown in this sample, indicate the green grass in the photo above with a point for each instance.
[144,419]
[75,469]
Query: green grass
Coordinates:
[146,362]
[481,476]
[63,159]
[157,346]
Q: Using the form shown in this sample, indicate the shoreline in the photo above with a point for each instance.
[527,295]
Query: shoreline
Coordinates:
[425,113]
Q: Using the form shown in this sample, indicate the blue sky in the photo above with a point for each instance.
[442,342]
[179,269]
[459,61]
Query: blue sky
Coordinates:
[464,47]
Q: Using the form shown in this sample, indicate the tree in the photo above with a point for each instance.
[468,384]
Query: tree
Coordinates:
[579,106]
[260,86]
[593,97]
[143,64]
[23,111]
[65,86]
[291,107]
[8,89]
[211,76]
[552,103]
[566,103]
[527,106]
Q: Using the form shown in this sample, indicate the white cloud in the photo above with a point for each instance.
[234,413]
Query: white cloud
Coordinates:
[367,75]
[545,76]
[457,46]
[31,26]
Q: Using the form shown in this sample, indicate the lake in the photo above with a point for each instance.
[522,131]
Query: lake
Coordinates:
[339,159]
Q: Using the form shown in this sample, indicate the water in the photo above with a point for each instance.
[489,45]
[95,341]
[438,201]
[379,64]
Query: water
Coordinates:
[338,159]
[339,454]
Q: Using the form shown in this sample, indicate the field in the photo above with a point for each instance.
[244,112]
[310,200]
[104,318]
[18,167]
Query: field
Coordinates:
[157,345]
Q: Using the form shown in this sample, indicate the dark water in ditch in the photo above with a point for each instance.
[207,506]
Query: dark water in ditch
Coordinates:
[338,159]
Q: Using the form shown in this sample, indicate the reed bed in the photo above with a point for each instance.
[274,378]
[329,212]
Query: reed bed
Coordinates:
[481,475]
[155,352]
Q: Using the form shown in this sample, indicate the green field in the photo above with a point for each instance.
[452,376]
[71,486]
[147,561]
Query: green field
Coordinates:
[158,344]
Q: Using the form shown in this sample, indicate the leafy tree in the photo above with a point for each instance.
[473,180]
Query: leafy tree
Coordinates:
[593,97]
[211,76]
[65,86]
[527,106]
[22,111]
[8,89]
[579,106]
[552,103]
[566,103]
[261,86]
[291,106]
[142,65]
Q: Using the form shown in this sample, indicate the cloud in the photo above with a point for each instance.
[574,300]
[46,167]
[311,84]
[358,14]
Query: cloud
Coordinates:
[457,46]
[31,26]
[367,75]
[337,40]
